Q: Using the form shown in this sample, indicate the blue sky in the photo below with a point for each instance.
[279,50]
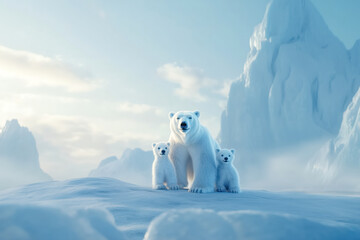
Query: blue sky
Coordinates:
[91,78]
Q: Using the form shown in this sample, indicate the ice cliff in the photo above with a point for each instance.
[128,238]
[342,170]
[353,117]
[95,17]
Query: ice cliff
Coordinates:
[297,81]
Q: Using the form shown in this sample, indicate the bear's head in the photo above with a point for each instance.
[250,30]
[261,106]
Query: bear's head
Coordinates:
[161,149]
[225,156]
[184,123]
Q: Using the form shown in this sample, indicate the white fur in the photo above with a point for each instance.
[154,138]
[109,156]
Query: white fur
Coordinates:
[227,176]
[162,169]
[192,152]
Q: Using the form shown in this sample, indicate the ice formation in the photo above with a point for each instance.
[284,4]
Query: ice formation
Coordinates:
[339,160]
[134,166]
[19,157]
[297,81]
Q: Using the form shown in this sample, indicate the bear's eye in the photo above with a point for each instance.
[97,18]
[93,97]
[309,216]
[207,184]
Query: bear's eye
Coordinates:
[229,155]
[222,155]
[165,147]
[159,148]
[177,118]
[190,118]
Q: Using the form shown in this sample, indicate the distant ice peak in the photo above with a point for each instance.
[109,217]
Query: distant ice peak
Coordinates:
[11,125]
[19,156]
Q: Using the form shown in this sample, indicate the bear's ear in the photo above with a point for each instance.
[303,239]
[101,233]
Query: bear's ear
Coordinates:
[197,113]
[217,150]
[154,144]
[168,144]
[171,114]
[232,151]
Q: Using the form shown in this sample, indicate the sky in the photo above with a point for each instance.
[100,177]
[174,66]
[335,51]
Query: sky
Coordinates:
[92,78]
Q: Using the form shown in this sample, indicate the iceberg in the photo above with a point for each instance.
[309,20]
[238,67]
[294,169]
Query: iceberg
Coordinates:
[297,81]
[19,157]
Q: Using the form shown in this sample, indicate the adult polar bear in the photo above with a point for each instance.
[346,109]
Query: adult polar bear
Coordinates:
[192,152]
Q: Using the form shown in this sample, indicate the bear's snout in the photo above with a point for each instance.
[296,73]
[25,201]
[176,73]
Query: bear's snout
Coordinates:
[163,151]
[226,158]
[183,125]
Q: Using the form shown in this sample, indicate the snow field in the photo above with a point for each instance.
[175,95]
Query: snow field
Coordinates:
[109,208]
[195,224]
[25,221]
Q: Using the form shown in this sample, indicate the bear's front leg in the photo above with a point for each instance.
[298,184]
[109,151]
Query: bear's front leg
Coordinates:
[179,158]
[171,181]
[181,175]
[204,171]
[220,185]
[158,179]
[220,182]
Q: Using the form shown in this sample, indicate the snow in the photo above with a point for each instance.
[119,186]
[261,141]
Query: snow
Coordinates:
[190,224]
[42,222]
[208,224]
[297,81]
[88,205]
[134,166]
[19,157]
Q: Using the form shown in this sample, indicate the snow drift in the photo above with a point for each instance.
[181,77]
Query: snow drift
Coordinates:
[207,224]
[134,166]
[19,157]
[73,207]
[297,81]
[27,222]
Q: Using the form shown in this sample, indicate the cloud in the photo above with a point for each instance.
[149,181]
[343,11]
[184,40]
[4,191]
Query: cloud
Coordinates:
[191,80]
[139,108]
[102,14]
[37,70]
[224,91]
[74,134]
[71,146]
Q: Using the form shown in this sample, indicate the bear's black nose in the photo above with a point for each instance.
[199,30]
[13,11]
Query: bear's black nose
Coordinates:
[163,151]
[226,158]
[183,125]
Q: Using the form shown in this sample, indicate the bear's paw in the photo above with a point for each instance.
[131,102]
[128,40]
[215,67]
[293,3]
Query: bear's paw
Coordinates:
[159,187]
[234,190]
[201,190]
[173,187]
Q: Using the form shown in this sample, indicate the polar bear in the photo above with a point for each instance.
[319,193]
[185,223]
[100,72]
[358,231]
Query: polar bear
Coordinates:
[227,178]
[192,152]
[162,169]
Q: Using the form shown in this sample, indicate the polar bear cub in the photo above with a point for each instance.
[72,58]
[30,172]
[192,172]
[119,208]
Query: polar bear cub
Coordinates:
[227,176]
[162,169]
